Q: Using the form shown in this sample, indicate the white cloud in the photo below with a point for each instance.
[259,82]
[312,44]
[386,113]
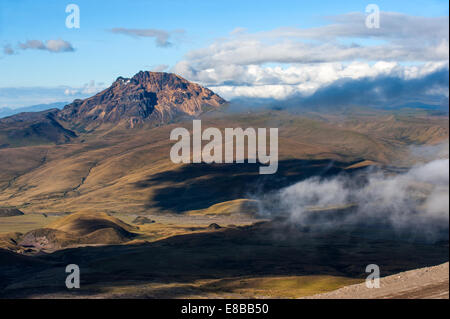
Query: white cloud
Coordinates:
[160,68]
[161,36]
[8,50]
[416,200]
[304,59]
[87,89]
[55,46]
[304,79]
[59,46]
[15,97]
[402,37]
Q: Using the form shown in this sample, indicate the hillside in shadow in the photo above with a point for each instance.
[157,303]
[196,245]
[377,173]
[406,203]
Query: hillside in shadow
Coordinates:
[265,249]
[198,186]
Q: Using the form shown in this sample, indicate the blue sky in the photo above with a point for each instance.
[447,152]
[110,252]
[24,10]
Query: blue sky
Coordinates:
[100,55]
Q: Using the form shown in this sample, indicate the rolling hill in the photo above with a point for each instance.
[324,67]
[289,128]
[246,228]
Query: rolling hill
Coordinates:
[129,170]
[74,230]
[33,128]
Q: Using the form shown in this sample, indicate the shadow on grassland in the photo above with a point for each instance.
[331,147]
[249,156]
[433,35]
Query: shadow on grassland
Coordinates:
[265,249]
[198,186]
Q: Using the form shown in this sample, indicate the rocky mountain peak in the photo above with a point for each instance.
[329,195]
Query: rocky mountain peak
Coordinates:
[146,97]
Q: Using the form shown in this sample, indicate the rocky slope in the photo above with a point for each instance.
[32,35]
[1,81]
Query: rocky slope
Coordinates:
[423,283]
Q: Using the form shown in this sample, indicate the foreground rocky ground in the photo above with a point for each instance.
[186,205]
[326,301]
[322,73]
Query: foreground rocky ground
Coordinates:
[423,283]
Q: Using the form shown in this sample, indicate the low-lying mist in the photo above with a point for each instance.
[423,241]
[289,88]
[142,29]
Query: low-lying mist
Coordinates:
[414,203]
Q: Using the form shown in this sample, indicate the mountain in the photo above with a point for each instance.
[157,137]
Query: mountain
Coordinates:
[148,97]
[6,111]
[153,97]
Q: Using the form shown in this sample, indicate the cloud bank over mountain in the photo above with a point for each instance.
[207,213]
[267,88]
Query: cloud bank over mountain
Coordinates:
[285,62]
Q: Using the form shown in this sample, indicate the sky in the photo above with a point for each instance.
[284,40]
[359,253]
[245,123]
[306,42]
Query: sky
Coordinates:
[249,49]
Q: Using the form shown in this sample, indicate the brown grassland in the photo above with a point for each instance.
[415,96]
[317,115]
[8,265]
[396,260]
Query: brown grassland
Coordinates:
[80,199]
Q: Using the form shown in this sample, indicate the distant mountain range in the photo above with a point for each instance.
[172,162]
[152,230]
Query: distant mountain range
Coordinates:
[146,99]
[6,111]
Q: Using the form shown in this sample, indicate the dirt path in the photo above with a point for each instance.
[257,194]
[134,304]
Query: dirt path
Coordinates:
[423,283]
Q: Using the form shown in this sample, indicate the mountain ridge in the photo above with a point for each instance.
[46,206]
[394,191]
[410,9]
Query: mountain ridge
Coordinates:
[152,98]
[33,128]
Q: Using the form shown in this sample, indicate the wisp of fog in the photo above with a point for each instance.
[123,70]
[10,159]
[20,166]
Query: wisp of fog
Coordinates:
[415,201]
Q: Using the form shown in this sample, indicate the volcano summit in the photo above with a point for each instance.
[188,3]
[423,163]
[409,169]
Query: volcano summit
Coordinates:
[146,97]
